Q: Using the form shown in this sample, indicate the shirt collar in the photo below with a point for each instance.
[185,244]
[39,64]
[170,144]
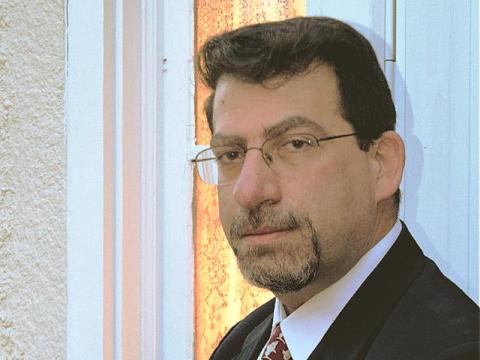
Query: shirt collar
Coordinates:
[305,327]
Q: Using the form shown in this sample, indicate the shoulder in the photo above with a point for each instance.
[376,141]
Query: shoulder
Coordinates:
[232,342]
[433,318]
[451,311]
[441,298]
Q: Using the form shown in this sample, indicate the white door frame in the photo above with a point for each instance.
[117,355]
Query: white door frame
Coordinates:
[130,129]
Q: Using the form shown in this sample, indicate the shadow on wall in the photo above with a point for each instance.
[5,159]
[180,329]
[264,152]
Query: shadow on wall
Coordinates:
[414,168]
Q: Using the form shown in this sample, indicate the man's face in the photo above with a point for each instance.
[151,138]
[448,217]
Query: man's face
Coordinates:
[294,226]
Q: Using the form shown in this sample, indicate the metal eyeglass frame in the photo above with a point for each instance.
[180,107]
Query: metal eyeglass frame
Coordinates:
[266,157]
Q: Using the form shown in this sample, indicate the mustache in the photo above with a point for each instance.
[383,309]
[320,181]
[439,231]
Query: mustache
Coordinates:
[262,217]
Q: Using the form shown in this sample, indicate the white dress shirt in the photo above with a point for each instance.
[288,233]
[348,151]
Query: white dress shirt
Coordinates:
[304,328]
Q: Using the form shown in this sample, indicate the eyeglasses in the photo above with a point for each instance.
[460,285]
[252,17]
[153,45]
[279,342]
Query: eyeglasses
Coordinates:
[221,165]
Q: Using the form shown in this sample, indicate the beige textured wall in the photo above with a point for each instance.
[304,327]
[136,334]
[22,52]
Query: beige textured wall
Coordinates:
[32,180]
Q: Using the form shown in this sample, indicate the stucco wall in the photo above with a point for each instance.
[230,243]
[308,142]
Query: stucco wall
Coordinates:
[32,180]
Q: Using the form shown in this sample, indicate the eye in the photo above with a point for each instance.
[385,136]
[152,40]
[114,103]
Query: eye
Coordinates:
[297,144]
[228,155]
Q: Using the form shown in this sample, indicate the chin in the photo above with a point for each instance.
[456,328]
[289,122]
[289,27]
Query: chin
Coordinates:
[279,274]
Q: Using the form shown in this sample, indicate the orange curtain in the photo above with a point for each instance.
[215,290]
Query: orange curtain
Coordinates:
[221,295]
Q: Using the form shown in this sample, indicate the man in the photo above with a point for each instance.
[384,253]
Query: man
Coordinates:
[308,167]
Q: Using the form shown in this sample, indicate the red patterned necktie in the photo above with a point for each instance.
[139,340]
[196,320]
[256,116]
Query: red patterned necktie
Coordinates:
[276,348]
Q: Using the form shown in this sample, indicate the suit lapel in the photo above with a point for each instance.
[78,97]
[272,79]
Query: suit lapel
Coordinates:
[256,340]
[352,333]
[234,344]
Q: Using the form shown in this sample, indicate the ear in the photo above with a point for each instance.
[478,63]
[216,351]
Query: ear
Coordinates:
[389,157]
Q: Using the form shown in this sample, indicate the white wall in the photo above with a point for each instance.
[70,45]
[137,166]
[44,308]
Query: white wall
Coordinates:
[33,262]
[435,85]
[439,63]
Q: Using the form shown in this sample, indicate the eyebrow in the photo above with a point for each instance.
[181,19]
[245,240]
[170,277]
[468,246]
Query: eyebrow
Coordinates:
[271,132]
[290,123]
[221,139]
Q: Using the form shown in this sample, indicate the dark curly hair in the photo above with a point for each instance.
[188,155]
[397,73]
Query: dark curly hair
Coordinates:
[279,50]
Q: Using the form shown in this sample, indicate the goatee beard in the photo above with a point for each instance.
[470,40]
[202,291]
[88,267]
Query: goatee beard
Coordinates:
[282,268]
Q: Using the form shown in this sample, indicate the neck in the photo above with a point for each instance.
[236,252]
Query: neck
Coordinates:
[292,301]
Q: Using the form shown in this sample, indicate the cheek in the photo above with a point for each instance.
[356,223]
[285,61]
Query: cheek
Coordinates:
[326,178]
[330,189]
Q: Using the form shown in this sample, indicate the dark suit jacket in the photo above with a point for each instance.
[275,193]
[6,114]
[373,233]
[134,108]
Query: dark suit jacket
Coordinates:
[406,309]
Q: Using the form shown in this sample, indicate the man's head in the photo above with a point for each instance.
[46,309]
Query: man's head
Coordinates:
[292,222]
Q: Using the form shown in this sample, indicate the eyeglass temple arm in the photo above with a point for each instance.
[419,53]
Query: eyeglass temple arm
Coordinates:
[335,137]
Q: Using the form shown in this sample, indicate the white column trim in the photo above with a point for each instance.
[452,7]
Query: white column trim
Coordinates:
[117,95]
[168,124]
[166,135]
[176,130]
[84,133]
[151,53]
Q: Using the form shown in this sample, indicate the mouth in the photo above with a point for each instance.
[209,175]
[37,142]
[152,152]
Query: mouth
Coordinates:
[263,236]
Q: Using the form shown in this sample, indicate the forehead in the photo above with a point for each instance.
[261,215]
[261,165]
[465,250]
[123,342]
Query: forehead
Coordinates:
[246,109]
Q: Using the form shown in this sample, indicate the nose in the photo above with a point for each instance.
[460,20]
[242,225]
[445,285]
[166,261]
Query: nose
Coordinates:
[257,183]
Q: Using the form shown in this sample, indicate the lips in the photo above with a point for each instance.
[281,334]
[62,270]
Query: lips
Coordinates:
[263,231]
[264,235]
